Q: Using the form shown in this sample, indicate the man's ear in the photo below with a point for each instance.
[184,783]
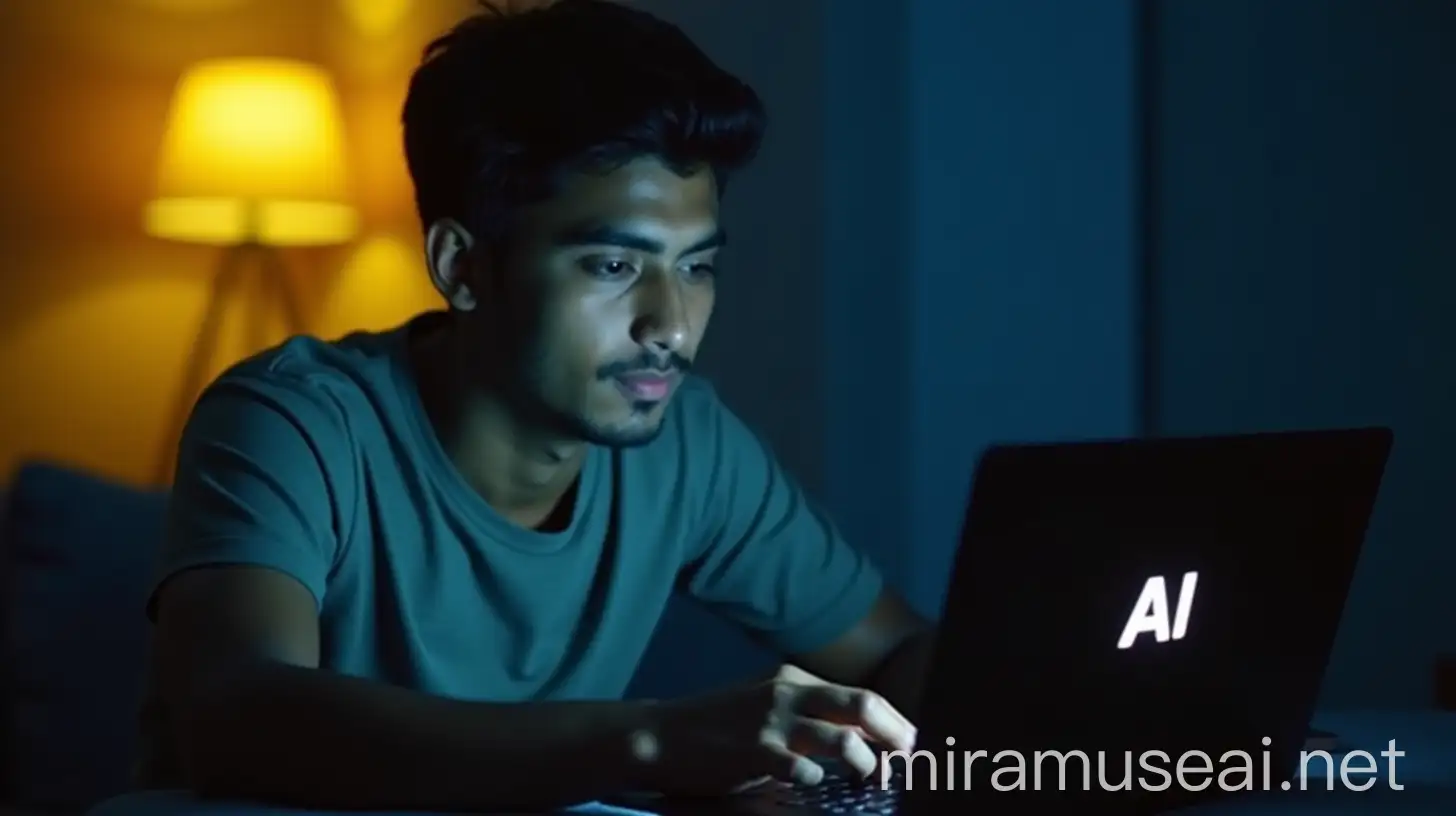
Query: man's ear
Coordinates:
[447,252]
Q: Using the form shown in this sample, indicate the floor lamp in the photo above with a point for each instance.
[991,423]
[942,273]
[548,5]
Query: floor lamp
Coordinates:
[252,161]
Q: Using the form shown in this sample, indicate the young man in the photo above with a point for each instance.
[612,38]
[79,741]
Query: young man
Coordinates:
[417,569]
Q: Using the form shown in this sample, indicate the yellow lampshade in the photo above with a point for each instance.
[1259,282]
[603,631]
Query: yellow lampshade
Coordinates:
[254,151]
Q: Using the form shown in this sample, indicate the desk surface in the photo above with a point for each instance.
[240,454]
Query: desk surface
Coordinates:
[1425,773]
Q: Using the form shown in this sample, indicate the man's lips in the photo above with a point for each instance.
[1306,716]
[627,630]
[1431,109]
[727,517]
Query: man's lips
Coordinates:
[647,387]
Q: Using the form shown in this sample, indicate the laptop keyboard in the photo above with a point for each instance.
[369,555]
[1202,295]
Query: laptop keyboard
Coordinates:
[848,794]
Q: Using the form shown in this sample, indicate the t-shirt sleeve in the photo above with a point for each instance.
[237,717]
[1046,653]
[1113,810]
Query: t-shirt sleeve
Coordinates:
[256,484]
[770,559]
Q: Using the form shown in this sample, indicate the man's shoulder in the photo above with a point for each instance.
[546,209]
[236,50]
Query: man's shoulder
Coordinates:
[315,385]
[305,360]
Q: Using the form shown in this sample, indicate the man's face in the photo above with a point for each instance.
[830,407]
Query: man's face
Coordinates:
[610,287]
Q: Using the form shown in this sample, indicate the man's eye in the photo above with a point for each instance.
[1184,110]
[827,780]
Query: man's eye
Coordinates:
[702,270]
[609,269]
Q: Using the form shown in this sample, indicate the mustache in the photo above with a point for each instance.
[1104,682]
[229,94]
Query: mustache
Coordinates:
[652,364]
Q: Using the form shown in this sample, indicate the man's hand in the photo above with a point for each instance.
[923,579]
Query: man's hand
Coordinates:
[777,729]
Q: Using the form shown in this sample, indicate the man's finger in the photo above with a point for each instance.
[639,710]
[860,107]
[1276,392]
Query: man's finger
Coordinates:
[789,673]
[776,759]
[856,707]
[821,738]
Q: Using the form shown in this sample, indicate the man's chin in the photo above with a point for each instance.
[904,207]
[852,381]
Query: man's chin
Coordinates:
[637,426]
[621,437]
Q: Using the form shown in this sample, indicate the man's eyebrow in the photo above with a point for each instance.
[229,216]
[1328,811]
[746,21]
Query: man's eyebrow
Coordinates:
[717,240]
[607,235]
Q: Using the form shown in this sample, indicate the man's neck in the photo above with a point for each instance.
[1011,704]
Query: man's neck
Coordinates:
[520,469]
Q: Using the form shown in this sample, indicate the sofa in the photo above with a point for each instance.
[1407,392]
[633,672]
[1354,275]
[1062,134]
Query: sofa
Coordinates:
[76,561]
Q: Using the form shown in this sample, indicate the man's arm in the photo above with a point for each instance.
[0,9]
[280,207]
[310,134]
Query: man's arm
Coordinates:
[237,652]
[888,651]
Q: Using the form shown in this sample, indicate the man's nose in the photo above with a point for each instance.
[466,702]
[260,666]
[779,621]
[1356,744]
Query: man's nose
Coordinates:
[662,315]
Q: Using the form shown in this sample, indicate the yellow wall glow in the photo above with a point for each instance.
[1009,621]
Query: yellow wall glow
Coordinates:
[97,318]
[376,18]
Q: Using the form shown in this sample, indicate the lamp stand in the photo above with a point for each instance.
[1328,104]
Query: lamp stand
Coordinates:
[232,276]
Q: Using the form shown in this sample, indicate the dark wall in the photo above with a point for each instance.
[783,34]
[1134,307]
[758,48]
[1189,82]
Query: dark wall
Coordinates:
[1306,267]
[1024,245]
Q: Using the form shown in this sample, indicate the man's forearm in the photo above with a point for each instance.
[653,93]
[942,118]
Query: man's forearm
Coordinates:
[901,678]
[314,739]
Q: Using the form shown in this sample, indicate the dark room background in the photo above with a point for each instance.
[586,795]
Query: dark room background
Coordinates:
[973,221]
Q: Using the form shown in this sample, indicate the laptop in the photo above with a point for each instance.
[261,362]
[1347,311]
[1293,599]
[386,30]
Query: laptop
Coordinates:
[1117,606]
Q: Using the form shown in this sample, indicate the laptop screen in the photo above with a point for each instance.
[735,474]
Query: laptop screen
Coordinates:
[1136,592]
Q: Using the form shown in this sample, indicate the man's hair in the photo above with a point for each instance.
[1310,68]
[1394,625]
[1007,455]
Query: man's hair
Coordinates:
[506,105]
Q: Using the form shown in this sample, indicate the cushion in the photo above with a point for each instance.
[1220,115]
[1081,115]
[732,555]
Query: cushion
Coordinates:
[80,553]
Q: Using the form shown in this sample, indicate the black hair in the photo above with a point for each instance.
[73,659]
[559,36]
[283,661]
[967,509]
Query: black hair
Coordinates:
[505,105]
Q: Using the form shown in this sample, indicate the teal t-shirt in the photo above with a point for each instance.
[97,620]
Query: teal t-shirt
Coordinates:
[316,459]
